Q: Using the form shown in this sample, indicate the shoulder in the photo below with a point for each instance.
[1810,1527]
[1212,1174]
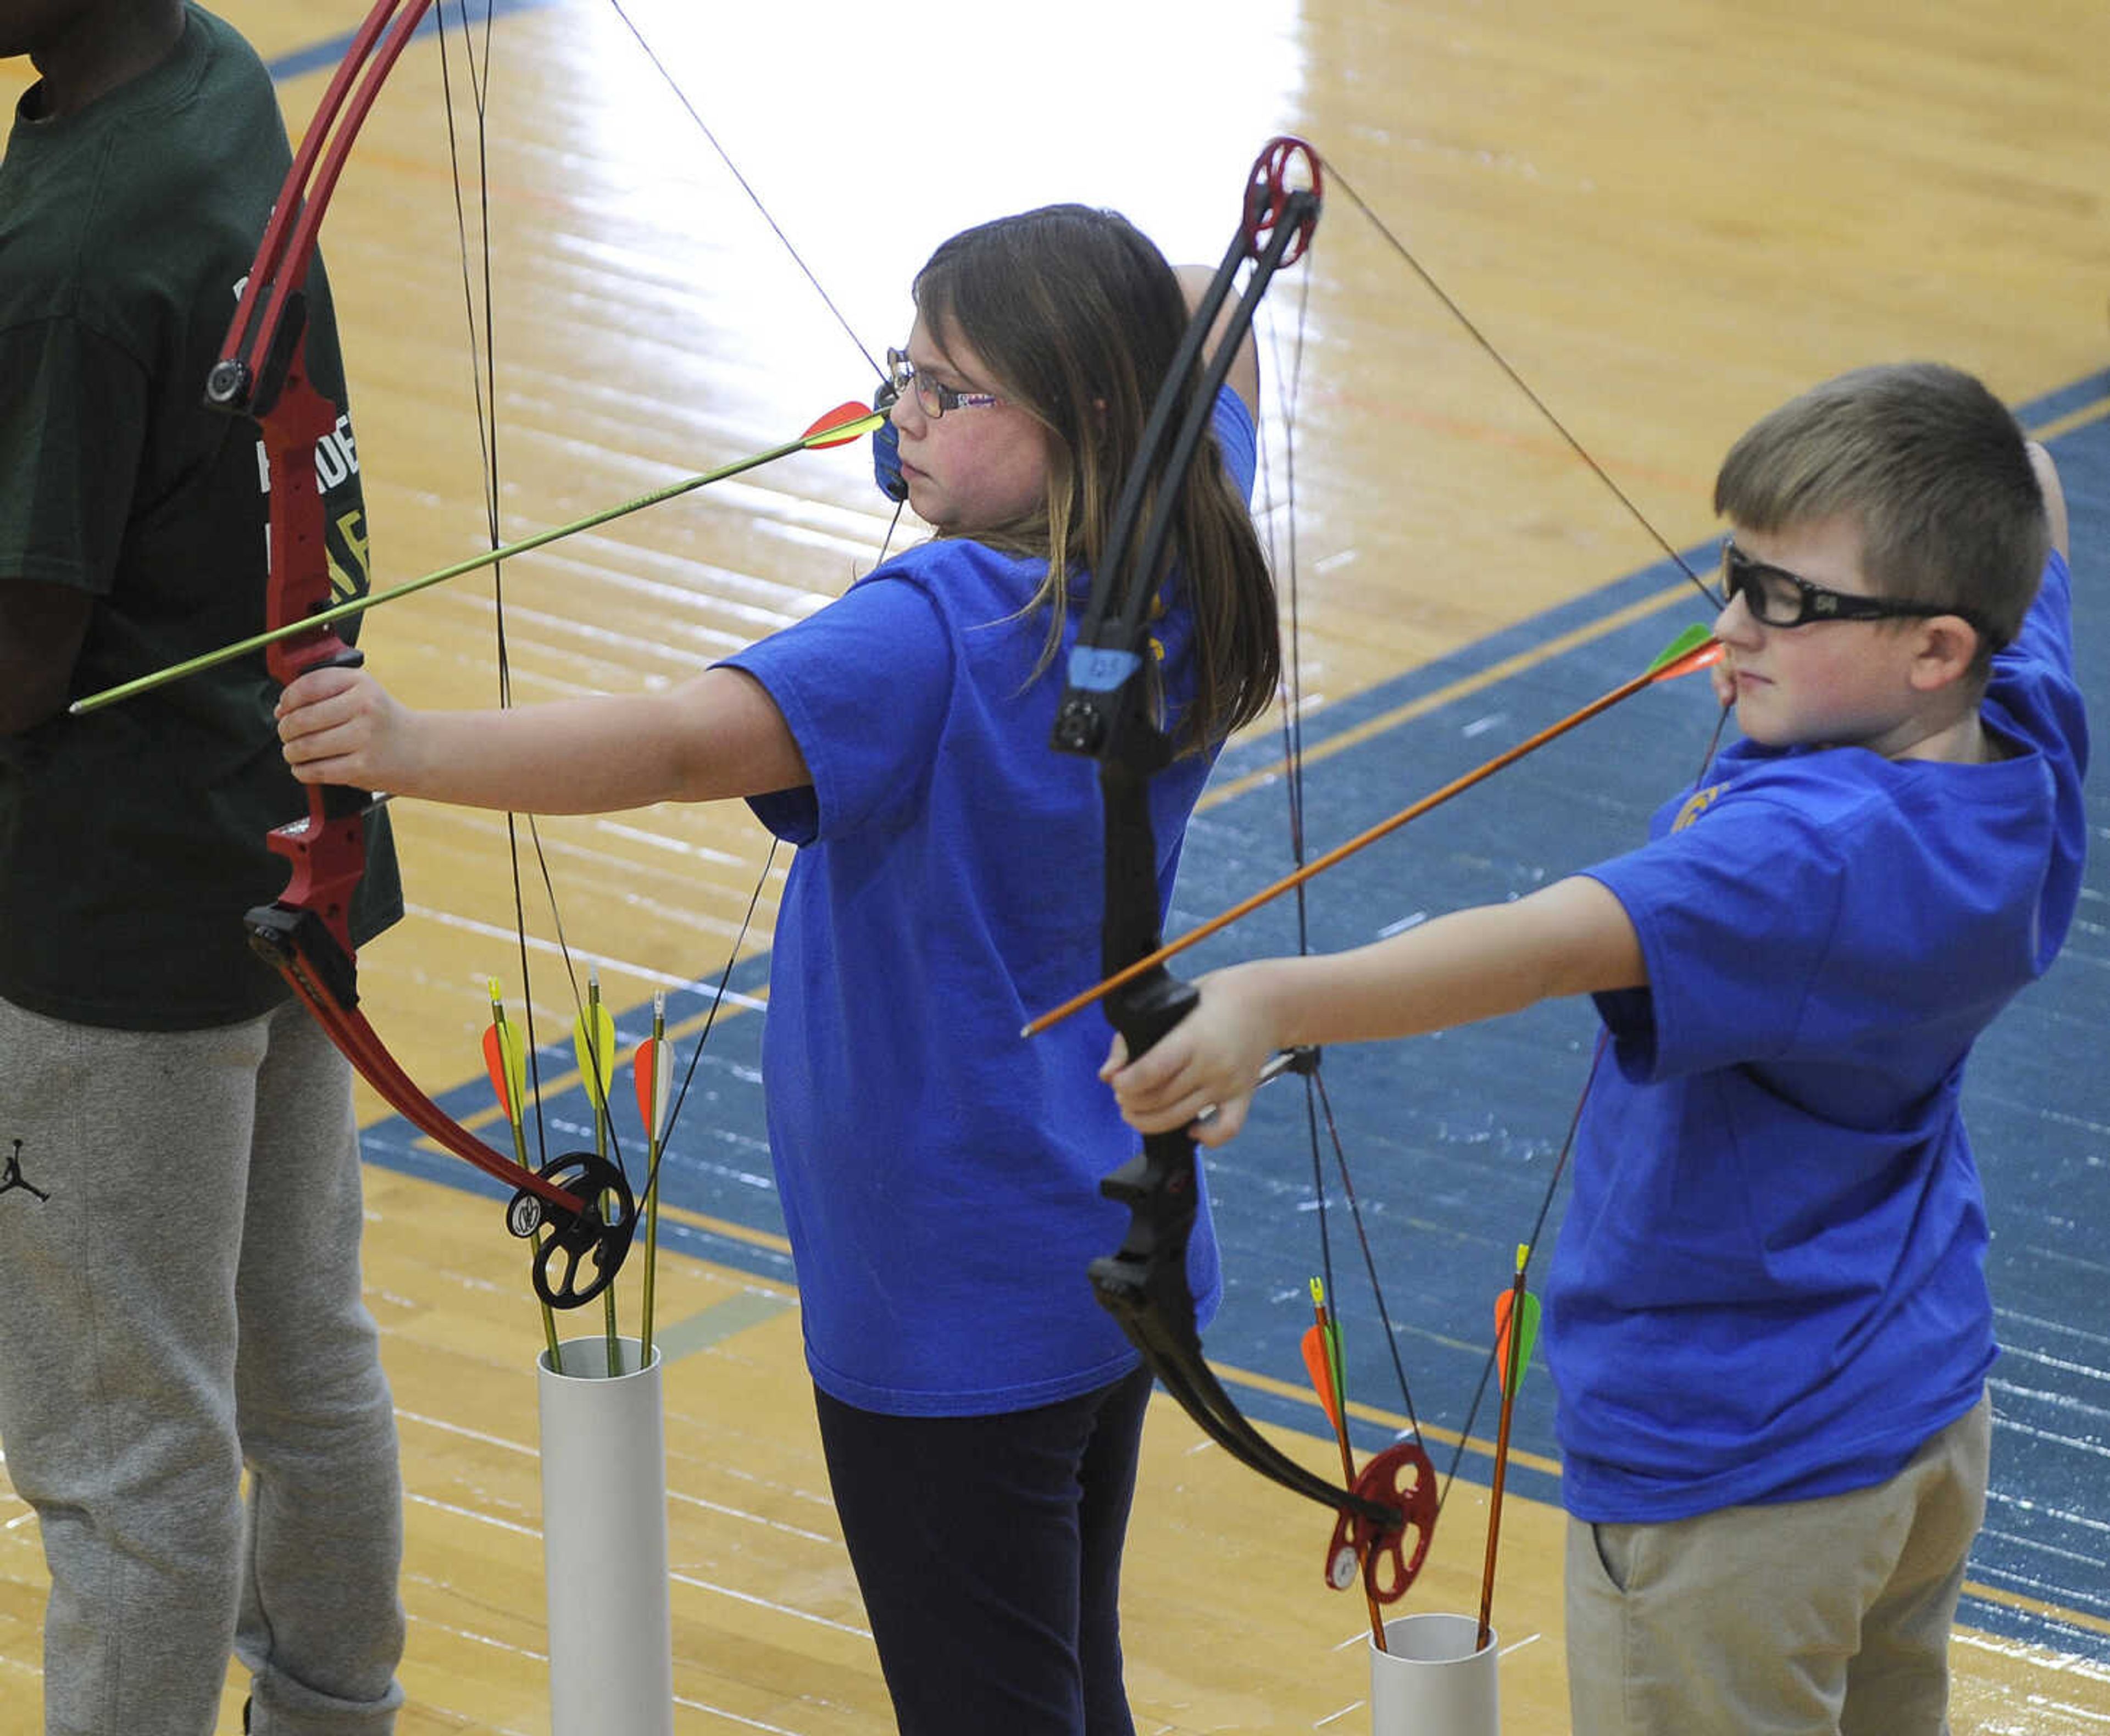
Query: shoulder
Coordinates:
[1794,794]
[1780,832]
[1237,438]
[965,581]
[1846,826]
[214,55]
[109,209]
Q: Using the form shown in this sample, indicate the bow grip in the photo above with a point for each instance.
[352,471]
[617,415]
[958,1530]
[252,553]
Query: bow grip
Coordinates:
[1145,1009]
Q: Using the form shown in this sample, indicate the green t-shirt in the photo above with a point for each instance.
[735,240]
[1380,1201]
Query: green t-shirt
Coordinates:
[131,840]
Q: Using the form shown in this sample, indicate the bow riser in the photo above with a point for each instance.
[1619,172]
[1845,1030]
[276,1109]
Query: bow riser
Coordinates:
[1103,712]
[326,852]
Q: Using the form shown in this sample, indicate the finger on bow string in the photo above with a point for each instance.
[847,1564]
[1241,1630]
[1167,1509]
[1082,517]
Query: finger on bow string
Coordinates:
[508,1068]
[839,427]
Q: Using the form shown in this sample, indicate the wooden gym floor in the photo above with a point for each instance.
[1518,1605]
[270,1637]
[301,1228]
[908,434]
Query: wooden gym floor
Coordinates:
[1668,217]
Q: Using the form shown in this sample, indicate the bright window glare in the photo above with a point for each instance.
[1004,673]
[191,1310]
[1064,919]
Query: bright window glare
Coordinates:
[871,134]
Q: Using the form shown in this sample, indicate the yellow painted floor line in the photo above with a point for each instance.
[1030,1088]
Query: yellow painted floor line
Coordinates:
[2072,419]
[1271,772]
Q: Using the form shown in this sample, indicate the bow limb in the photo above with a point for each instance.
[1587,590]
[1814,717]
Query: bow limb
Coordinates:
[1104,713]
[263,372]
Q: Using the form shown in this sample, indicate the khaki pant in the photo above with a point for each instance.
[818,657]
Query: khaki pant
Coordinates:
[1831,1615]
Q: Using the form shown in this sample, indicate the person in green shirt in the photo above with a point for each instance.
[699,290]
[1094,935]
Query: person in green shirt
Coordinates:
[181,1254]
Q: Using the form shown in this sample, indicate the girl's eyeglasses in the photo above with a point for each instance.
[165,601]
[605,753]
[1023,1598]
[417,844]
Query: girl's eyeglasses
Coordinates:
[1777,597]
[935,399]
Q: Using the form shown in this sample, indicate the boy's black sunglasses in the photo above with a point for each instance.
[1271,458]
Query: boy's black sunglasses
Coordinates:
[1780,598]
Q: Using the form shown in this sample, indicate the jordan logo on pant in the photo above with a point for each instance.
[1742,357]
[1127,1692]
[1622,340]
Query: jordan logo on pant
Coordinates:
[12,1176]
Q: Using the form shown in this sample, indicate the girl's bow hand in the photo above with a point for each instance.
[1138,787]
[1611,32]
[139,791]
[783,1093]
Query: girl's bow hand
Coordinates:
[1202,1073]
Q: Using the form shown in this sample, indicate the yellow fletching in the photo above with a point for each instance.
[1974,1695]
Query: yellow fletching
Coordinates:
[593,1044]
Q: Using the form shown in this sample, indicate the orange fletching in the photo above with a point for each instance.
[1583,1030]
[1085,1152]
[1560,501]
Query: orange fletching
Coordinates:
[1318,1364]
[852,413]
[1689,662]
[494,1061]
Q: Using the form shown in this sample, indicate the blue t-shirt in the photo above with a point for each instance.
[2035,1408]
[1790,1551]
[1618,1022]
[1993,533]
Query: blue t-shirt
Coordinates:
[940,1174]
[1770,1283]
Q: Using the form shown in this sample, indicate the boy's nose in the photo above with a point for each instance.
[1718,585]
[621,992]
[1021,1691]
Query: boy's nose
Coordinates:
[1736,625]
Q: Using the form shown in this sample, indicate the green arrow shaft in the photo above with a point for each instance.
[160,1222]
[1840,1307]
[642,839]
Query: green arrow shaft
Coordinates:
[490,558]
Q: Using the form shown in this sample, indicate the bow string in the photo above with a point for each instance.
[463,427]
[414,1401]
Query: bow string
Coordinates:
[580,1208]
[1386,1515]
[262,373]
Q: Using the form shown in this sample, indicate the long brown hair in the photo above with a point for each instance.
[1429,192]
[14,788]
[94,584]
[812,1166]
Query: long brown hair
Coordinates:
[1075,315]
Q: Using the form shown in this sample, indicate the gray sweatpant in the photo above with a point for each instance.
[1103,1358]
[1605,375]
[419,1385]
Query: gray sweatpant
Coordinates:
[183,1301]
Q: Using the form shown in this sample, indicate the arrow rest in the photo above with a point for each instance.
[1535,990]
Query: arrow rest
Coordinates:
[597,1237]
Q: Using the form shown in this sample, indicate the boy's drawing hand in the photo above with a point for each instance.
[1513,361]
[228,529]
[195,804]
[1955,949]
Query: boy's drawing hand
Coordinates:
[339,726]
[1202,1074]
[1724,680]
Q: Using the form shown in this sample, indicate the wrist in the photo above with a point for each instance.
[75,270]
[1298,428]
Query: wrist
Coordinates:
[1267,990]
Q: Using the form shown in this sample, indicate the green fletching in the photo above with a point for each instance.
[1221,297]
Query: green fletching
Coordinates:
[1694,635]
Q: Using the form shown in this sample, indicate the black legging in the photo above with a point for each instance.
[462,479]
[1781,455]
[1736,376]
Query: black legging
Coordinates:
[988,1549]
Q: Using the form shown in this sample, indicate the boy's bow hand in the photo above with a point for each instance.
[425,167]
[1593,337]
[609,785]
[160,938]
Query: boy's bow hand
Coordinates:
[1202,1073]
[339,726]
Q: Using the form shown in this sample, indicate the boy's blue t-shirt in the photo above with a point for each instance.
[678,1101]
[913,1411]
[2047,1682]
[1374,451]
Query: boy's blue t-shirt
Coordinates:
[1769,1285]
[940,1172]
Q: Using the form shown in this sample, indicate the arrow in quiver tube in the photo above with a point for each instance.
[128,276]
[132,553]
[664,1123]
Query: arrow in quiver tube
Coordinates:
[1323,1362]
[507,1063]
[653,1068]
[1516,1329]
[593,1043]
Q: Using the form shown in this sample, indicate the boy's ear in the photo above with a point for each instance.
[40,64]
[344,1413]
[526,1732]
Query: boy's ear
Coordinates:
[1948,647]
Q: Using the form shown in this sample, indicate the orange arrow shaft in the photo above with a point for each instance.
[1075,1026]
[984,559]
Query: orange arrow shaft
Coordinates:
[1698,657]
